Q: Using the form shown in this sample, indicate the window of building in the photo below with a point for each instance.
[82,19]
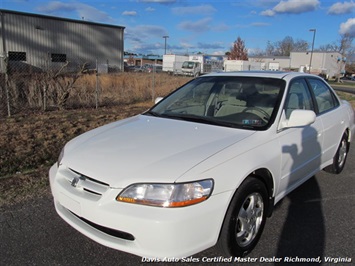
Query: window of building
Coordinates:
[58,57]
[17,56]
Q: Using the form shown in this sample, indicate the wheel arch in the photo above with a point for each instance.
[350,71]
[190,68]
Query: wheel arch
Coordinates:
[349,133]
[263,176]
[349,136]
[266,177]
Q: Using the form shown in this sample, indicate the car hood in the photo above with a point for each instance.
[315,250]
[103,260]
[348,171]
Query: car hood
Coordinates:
[146,149]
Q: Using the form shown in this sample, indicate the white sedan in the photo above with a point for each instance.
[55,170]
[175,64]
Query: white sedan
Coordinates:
[203,167]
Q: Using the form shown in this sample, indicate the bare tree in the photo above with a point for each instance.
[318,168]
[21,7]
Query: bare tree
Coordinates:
[238,51]
[286,46]
[270,49]
[58,84]
[328,48]
[350,68]
[344,48]
[300,46]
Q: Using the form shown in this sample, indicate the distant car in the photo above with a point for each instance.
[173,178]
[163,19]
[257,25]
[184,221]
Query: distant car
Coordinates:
[128,68]
[155,68]
[138,69]
[204,166]
[148,68]
[352,78]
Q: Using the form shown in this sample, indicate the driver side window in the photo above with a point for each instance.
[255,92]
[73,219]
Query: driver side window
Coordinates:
[298,97]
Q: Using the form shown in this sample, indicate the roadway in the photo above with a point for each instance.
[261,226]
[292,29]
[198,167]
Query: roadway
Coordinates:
[316,220]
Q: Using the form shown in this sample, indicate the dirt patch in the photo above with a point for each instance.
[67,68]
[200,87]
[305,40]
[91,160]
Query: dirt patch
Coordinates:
[31,143]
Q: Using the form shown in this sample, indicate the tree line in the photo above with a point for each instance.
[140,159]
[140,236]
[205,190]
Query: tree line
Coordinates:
[284,47]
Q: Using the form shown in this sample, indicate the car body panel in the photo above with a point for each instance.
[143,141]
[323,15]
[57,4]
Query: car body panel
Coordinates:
[98,165]
[159,232]
[164,145]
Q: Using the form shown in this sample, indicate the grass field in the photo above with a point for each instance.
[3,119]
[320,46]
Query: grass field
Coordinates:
[30,142]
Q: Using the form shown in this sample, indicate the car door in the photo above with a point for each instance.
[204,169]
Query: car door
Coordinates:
[300,146]
[331,115]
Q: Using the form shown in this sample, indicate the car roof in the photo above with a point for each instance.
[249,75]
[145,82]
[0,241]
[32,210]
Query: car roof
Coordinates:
[263,74]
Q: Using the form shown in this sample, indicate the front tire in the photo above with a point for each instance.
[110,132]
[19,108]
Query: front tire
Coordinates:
[340,156]
[245,219]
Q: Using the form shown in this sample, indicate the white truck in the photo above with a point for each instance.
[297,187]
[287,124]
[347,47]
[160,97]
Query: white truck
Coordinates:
[198,65]
[240,65]
[172,63]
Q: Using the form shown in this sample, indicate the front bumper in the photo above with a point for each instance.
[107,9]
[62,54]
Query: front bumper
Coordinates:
[141,230]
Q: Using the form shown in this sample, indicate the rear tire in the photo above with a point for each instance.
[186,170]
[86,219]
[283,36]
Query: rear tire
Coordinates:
[340,156]
[245,219]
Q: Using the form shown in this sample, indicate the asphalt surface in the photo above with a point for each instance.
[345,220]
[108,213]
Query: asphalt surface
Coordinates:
[316,220]
[344,87]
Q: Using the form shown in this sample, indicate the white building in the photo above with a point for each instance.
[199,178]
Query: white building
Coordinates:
[273,63]
[329,63]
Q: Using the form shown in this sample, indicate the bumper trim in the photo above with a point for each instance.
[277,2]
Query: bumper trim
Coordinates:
[106,230]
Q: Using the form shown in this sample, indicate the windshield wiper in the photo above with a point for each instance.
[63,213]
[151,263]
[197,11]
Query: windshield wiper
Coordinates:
[152,113]
[198,119]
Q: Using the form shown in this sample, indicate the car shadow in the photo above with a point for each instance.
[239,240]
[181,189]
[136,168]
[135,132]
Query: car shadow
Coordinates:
[303,232]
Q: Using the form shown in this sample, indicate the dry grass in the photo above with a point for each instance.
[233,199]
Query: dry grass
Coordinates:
[46,91]
[348,97]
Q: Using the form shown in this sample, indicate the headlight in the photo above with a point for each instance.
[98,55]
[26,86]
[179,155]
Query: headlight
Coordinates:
[167,195]
[60,157]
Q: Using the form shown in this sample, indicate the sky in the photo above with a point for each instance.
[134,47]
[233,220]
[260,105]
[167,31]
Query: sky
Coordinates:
[208,27]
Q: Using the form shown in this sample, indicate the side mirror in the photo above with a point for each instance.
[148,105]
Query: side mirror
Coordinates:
[158,99]
[300,118]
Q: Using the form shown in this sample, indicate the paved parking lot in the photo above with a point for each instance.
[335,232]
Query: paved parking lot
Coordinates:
[316,221]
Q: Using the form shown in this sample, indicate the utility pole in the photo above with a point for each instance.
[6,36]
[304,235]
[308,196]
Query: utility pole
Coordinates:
[165,37]
[314,36]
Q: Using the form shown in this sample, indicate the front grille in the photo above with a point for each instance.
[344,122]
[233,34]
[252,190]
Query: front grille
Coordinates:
[106,230]
[89,178]
[88,184]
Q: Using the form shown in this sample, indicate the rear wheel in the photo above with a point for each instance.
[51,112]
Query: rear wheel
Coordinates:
[245,219]
[340,156]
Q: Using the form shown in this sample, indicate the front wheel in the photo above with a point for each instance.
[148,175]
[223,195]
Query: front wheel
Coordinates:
[245,219]
[340,156]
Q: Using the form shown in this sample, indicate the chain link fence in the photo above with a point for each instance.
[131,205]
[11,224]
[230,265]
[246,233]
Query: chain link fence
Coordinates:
[68,85]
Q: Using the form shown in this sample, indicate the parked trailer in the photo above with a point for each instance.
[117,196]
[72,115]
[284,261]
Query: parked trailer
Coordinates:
[198,65]
[240,65]
[172,63]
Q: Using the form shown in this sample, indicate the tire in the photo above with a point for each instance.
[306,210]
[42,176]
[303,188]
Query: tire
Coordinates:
[340,156]
[245,219]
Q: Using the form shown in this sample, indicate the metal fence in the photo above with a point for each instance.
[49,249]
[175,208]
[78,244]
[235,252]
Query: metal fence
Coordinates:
[58,85]
[25,88]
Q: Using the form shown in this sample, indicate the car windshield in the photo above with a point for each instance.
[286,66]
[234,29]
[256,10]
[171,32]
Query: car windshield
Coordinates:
[188,64]
[242,102]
